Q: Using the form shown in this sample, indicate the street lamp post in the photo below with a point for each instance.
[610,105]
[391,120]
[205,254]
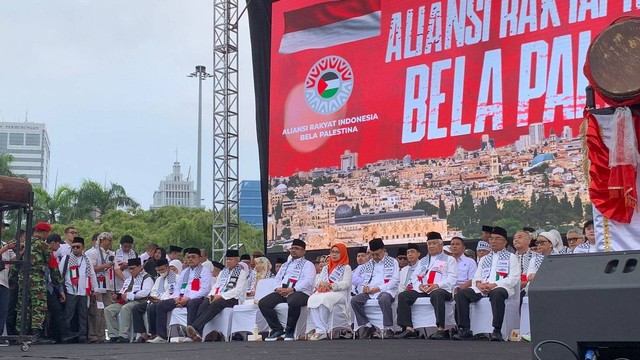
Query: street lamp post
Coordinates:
[201,74]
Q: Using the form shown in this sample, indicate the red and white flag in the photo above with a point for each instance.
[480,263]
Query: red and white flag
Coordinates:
[330,23]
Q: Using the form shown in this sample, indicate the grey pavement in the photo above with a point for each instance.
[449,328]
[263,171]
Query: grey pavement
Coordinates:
[298,350]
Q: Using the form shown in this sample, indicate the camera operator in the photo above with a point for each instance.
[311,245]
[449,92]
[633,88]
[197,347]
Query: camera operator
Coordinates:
[102,259]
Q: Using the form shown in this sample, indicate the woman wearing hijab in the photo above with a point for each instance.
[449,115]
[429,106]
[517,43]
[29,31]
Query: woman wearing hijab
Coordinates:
[548,243]
[332,288]
[263,271]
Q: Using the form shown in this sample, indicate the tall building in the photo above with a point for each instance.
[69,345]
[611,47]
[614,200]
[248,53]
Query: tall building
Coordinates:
[250,203]
[348,161]
[175,191]
[567,133]
[28,143]
[536,132]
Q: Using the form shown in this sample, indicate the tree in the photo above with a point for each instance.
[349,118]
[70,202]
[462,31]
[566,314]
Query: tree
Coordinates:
[277,211]
[442,209]
[286,233]
[428,207]
[578,213]
[5,162]
[94,197]
[56,207]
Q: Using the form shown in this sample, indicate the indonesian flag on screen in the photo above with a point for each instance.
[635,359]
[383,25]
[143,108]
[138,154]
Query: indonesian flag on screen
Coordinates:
[330,23]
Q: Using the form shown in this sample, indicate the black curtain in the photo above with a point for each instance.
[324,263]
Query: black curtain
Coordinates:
[259,12]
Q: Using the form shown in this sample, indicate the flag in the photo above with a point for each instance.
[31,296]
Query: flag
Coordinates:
[330,23]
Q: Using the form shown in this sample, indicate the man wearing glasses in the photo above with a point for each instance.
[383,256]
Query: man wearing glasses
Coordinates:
[295,281]
[496,277]
[65,248]
[576,242]
[79,282]
[136,289]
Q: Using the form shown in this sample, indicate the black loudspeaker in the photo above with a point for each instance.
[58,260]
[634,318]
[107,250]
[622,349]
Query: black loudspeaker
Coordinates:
[586,302]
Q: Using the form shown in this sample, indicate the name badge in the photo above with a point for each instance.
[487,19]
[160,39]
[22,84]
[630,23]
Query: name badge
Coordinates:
[486,272]
[502,266]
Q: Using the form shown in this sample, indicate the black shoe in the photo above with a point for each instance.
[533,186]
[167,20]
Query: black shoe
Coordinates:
[496,335]
[407,334]
[38,338]
[463,334]
[367,332]
[122,340]
[439,335]
[274,335]
[387,334]
[114,339]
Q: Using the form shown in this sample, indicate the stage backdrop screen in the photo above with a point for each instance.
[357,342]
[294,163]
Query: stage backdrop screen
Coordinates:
[394,118]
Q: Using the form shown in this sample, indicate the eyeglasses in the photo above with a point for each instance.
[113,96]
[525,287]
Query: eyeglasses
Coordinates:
[76,247]
[335,252]
[571,239]
[542,242]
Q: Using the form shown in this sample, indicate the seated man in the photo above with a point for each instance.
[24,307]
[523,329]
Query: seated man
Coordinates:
[435,277]
[482,249]
[497,275]
[135,289]
[229,290]
[521,241]
[357,280]
[406,273]
[466,265]
[382,278]
[194,284]
[295,279]
[163,289]
[577,242]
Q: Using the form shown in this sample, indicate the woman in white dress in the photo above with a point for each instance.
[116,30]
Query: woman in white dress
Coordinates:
[332,288]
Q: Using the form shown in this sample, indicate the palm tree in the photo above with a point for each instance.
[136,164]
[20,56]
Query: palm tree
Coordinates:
[95,200]
[5,161]
[56,207]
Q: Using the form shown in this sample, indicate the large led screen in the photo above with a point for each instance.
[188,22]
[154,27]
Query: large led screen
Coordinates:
[394,118]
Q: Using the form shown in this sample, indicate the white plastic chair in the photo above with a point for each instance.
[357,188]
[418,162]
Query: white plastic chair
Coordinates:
[247,316]
[423,315]
[220,323]
[482,317]
[177,316]
[374,314]
[340,317]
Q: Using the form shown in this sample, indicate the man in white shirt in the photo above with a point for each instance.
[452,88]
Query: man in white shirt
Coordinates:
[406,273]
[357,280]
[135,289]
[122,256]
[295,281]
[79,281]
[435,277]
[65,246]
[466,265]
[194,283]
[204,257]
[102,261]
[148,253]
[381,279]
[228,291]
[497,275]
[163,289]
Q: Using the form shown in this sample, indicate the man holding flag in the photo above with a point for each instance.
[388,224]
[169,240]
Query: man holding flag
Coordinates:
[79,281]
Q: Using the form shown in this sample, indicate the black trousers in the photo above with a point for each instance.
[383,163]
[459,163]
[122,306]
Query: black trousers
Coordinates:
[76,308]
[406,299]
[207,311]
[166,306]
[467,296]
[56,313]
[151,318]
[295,301]
[137,316]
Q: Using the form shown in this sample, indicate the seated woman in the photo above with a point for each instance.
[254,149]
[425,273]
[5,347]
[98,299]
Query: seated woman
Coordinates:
[332,287]
[263,271]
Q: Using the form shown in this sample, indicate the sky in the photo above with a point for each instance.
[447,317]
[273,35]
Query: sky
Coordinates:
[109,80]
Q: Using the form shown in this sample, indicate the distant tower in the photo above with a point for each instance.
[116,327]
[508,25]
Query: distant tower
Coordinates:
[536,133]
[175,191]
[495,164]
[348,161]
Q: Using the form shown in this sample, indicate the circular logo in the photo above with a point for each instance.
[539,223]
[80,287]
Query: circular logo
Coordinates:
[328,85]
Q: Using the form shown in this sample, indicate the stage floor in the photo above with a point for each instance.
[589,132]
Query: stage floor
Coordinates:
[306,350]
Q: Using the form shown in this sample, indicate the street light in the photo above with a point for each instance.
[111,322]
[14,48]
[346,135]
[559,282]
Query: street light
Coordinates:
[201,74]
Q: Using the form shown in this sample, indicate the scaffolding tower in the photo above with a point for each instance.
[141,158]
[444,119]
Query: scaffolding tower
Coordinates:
[225,127]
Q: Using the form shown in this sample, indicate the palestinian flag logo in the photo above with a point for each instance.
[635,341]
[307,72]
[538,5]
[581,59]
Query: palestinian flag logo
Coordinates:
[328,85]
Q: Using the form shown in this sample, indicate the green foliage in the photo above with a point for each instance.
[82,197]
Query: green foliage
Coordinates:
[388,182]
[5,161]
[428,207]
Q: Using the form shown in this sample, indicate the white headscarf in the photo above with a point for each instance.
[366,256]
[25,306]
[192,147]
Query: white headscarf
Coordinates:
[555,238]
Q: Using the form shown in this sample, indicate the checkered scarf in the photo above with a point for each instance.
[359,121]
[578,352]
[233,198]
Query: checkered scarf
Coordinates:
[389,265]
[185,278]
[228,278]
[540,258]
[335,276]
[524,260]
[298,265]
[136,283]
[487,261]
[170,278]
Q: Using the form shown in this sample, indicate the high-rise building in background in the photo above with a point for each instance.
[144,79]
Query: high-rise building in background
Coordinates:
[174,190]
[250,203]
[348,161]
[28,143]
[536,132]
